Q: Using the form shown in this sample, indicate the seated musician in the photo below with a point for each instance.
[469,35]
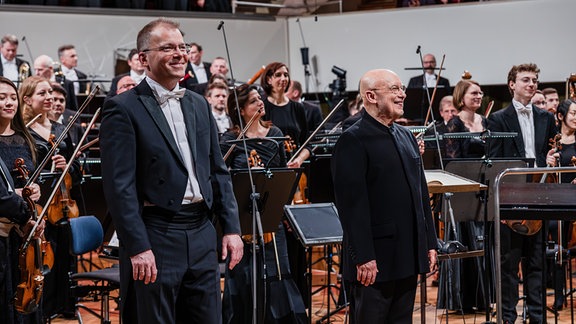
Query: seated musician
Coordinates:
[237,299]
[15,220]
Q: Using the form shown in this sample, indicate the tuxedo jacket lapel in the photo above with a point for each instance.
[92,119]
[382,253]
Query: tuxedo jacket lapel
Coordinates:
[539,129]
[187,106]
[153,108]
[513,125]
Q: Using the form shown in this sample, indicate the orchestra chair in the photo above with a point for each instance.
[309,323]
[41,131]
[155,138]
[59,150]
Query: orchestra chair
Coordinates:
[86,235]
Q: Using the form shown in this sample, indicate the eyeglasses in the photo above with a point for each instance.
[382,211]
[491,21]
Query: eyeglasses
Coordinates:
[394,89]
[170,48]
[476,93]
[527,80]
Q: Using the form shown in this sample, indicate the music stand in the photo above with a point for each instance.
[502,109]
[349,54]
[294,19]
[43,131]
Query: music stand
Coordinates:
[276,188]
[473,206]
[317,224]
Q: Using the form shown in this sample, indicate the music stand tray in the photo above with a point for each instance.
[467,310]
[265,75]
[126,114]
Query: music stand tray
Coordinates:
[440,181]
[315,224]
[276,188]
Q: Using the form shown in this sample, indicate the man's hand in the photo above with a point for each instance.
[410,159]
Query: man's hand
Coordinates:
[28,227]
[433,260]
[232,243]
[366,273]
[144,267]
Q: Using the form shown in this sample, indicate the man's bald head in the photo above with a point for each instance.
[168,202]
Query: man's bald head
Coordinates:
[43,66]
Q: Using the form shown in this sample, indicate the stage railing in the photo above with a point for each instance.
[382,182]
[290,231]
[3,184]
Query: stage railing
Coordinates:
[497,254]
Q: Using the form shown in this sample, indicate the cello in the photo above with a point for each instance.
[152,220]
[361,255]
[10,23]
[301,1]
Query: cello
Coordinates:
[34,260]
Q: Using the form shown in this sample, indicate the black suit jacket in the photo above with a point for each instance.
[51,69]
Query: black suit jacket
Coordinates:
[141,163]
[114,85]
[192,80]
[418,82]
[362,187]
[81,76]
[506,120]
[19,63]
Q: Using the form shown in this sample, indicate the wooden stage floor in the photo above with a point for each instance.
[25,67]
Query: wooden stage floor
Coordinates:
[319,308]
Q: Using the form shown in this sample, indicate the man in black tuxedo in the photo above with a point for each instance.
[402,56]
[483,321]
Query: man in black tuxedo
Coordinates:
[534,127]
[44,67]
[428,79]
[137,73]
[163,177]
[382,199]
[69,61]
[197,72]
[11,66]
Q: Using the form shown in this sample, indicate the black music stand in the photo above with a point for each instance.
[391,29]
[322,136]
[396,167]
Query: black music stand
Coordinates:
[276,188]
[273,188]
[318,224]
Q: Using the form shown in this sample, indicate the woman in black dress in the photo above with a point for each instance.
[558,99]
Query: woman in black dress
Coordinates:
[465,288]
[563,155]
[15,142]
[284,113]
[284,303]
[467,98]
[36,99]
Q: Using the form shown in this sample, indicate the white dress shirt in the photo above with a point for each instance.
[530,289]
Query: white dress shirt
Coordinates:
[10,69]
[173,112]
[71,75]
[526,120]
[200,72]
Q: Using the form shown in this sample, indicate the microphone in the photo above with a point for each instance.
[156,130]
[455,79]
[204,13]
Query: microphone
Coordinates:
[418,50]
[220,24]
[23,38]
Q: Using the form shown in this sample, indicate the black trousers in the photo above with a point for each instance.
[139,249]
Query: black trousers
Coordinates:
[387,302]
[187,289]
[516,247]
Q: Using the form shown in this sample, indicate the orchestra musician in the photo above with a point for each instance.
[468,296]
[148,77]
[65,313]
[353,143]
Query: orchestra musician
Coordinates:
[36,98]
[164,177]
[383,205]
[237,298]
[15,142]
[284,113]
[290,117]
[535,128]
[564,154]
[467,98]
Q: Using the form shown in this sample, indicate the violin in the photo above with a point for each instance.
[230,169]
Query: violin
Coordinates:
[289,146]
[254,160]
[62,207]
[299,196]
[34,260]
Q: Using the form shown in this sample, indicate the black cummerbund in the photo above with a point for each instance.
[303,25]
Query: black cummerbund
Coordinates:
[190,216]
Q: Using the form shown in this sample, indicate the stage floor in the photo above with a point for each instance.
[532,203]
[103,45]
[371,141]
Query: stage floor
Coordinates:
[319,307]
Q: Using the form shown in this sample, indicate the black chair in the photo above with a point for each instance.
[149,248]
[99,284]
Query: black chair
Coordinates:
[86,235]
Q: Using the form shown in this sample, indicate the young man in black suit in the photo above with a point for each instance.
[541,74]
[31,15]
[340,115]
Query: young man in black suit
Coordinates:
[534,127]
[163,178]
[382,199]
[197,72]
